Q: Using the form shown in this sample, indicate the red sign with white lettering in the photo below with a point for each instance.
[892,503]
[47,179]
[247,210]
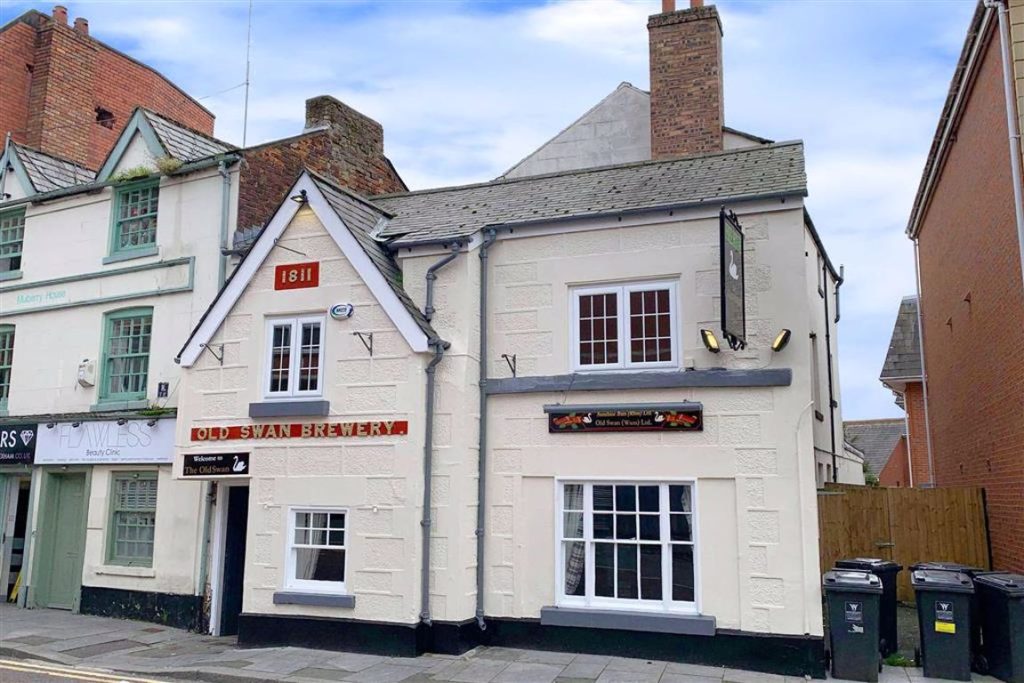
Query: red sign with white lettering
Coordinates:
[297,275]
[304,430]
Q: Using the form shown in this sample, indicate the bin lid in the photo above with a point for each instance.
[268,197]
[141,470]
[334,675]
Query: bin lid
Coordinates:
[867,564]
[1011,584]
[944,581]
[851,580]
[946,567]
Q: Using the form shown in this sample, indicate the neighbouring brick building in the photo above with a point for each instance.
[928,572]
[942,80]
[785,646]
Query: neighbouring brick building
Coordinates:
[68,95]
[971,295]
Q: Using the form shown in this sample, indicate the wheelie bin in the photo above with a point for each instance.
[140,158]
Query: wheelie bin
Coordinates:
[1000,599]
[853,619]
[972,572]
[944,618]
[886,570]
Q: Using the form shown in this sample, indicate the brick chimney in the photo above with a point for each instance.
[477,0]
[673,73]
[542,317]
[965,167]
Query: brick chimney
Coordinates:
[686,80]
[82,25]
[60,15]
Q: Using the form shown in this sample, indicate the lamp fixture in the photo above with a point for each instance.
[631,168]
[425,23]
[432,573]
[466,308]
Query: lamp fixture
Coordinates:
[710,341]
[300,198]
[122,421]
[76,425]
[51,425]
[781,340]
[151,423]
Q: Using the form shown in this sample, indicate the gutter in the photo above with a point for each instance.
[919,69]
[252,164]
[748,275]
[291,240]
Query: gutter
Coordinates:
[1011,122]
[439,346]
[481,483]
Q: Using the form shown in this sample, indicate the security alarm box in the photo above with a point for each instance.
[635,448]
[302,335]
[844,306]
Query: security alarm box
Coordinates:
[87,373]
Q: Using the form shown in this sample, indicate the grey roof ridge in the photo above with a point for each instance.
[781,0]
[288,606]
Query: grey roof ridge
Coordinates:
[909,297]
[620,86]
[593,169]
[344,190]
[178,124]
[873,420]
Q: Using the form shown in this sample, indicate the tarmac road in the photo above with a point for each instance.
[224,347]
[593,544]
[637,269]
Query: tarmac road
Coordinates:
[13,671]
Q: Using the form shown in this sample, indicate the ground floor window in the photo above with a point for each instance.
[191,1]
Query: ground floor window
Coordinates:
[316,550]
[627,545]
[133,516]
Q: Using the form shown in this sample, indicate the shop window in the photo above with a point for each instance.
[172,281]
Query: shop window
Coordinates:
[135,213]
[126,354]
[627,546]
[6,362]
[625,326]
[295,359]
[316,550]
[133,519]
[12,236]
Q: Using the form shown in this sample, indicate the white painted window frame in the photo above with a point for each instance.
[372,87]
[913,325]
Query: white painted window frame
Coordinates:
[590,601]
[320,587]
[623,290]
[296,323]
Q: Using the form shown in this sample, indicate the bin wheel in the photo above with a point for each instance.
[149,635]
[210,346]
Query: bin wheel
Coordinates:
[917,657]
[880,662]
[981,664]
[828,659]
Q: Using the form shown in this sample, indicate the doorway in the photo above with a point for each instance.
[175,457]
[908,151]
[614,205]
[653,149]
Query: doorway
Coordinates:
[14,497]
[58,564]
[232,576]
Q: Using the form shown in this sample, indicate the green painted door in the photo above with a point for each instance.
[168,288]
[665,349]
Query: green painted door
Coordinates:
[63,575]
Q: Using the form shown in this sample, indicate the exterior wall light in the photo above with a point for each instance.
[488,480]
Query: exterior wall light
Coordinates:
[710,341]
[301,197]
[122,421]
[781,340]
[76,425]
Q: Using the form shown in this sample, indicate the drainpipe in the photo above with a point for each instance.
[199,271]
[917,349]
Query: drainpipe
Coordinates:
[225,212]
[439,346]
[1011,121]
[481,482]
[924,369]
[831,388]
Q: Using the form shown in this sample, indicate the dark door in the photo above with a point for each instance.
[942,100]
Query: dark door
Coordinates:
[234,559]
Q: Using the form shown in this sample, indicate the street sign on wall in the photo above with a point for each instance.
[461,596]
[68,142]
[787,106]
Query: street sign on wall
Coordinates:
[733,280]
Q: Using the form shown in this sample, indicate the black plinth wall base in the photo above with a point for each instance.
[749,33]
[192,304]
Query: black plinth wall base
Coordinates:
[168,609]
[780,654]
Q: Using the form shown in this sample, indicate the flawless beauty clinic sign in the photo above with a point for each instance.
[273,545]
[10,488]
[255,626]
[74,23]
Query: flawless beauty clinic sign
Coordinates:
[106,442]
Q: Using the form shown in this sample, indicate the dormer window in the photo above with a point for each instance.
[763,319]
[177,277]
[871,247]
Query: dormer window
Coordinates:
[627,326]
[295,360]
[135,214]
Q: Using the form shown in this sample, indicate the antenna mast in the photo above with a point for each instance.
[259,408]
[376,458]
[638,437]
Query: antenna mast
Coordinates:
[248,50]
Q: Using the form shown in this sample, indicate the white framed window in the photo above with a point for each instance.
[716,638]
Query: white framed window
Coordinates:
[295,357]
[627,545]
[625,326]
[316,551]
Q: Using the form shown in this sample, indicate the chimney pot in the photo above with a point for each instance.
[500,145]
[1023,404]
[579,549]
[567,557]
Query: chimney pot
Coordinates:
[696,3]
[82,25]
[60,15]
[668,6]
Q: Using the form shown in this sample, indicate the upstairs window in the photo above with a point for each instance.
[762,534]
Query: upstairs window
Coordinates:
[126,355]
[295,359]
[12,235]
[625,326]
[6,362]
[135,211]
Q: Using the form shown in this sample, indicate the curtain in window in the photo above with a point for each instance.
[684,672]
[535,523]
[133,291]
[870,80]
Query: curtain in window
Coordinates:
[575,561]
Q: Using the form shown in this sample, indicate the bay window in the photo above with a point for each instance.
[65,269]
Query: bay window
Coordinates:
[295,359]
[627,546]
[625,326]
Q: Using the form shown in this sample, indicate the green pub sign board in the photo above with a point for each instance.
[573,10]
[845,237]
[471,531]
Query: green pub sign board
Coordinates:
[733,280]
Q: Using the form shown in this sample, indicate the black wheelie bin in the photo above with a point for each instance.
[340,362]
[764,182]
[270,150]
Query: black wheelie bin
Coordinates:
[853,619]
[886,570]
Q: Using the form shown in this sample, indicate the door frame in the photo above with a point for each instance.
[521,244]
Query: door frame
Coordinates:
[45,530]
[217,543]
[10,493]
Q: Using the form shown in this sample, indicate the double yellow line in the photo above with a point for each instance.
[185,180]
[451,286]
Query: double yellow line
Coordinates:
[66,672]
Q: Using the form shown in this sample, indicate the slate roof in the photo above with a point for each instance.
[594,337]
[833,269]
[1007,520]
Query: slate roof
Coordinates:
[903,361]
[875,439]
[458,212]
[184,143]
[47,172]
[362,218]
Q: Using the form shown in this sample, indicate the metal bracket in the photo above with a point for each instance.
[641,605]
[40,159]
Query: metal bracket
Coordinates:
[277,243]
[209,347]
[511,360]
[367,339]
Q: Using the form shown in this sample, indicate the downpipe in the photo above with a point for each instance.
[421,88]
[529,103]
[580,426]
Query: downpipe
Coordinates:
[225,213]
[831,385]
[481,482]
[924,376]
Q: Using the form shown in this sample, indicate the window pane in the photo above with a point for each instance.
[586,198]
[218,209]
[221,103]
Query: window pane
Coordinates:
[649,325]
[336,537]
[314,564]
[650,499]
[302,536]
[598,324]
[6,361]
[309,358]
[602,497]
[573,497]
[127,356]
[681,530]
[604,570]
[625,527]
[575,568]
[679,498]
[302,519]
[650,527]
[337,520]
[625,498]
[603,526]
[627,572]
[650,572]
[280,357]
[136,217]
[573,525]
[682,573]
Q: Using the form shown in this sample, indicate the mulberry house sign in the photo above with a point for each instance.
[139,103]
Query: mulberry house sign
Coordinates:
[305,430]
[642,417]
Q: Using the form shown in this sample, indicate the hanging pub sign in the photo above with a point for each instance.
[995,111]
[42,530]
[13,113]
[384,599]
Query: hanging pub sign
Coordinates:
[297,275]
[304,430]
[641,417]
[215,465]
[732,277]
[17,444]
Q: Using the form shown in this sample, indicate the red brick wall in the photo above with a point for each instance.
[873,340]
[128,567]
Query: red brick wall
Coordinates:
[913,402]
[895,472]
[349,151]
[17,57]
[686,82]
[974,350]
[72,75]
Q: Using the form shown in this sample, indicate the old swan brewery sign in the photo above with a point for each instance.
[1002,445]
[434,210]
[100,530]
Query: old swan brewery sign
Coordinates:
[305,430]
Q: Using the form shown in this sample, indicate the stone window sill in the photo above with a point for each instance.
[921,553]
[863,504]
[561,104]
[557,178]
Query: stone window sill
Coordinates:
[622,620]
[290,409]
[117,570]
[143,252]
[10,275]
[318,599]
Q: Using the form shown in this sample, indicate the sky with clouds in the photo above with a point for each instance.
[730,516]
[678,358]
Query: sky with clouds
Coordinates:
[466,89]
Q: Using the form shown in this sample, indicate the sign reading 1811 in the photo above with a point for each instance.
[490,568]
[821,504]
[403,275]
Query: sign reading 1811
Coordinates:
[733,280]
[297,275]
[666,417]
